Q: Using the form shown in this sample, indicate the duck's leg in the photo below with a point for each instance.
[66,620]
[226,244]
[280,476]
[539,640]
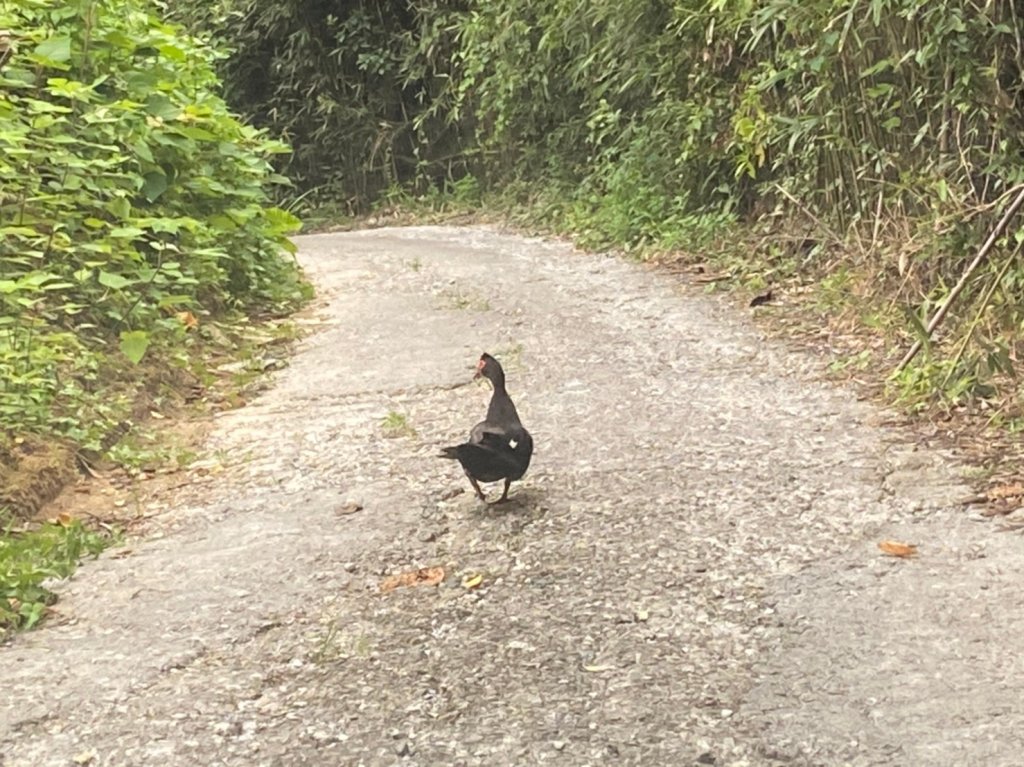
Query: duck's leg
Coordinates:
[476,486]
[504,495]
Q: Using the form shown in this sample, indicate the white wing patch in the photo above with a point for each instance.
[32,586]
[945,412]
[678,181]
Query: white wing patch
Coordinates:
[513,443]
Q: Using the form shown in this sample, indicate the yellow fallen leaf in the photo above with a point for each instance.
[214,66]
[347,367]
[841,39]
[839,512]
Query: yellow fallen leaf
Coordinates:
[897,549]
[64,519]
[472,581]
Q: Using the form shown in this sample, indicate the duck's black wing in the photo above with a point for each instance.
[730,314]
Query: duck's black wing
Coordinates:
[492,454]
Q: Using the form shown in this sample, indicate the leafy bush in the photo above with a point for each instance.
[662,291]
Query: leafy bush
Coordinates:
[131,202]
[29,559]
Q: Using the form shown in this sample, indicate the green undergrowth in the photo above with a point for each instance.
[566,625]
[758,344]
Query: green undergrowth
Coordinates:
[231,369]
[134,214]
[141,255]
[861,151]
[30,560]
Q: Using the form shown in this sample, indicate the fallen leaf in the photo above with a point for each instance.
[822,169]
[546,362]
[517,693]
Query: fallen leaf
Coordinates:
[472,581]
[85,757]
[351,507]
[897,549]
[425,576]
[63,519]
[187,319]
[1005,491]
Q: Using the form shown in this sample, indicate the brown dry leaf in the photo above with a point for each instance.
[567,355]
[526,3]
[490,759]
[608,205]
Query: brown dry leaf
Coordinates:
[1005,491]
[472,581]
[897,549]
[351,507]
[425,576]
[189,320]
[63,519]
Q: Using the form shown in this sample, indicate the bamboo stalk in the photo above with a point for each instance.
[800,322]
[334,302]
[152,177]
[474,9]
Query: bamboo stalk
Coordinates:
[977,318]
[994,235]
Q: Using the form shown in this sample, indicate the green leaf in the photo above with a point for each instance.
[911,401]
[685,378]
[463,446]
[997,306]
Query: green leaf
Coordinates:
[142,150]
[56,49]
[113,281]
[173,52]
[128,232]
[155,185]
[161,106]
[120,207]
[134,344]
[199,134]
[745,128]
[282,221]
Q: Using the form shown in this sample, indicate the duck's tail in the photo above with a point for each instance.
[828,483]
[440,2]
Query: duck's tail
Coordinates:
[449,452]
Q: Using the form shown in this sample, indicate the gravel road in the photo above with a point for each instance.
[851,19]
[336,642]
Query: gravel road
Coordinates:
[688,575]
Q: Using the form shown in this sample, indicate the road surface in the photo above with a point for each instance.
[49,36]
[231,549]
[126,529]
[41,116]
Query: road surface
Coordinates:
[688,574]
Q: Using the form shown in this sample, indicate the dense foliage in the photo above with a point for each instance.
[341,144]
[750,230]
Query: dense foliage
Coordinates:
[879,139]
[357,88]
[132,204]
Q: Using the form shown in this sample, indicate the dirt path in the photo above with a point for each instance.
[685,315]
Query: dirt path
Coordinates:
[689,574]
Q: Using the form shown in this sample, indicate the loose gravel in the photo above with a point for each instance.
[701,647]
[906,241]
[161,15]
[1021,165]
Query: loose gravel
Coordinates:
[688,575]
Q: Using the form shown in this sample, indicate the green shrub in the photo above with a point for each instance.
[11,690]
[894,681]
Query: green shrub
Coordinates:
[131,201]
[29,559]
